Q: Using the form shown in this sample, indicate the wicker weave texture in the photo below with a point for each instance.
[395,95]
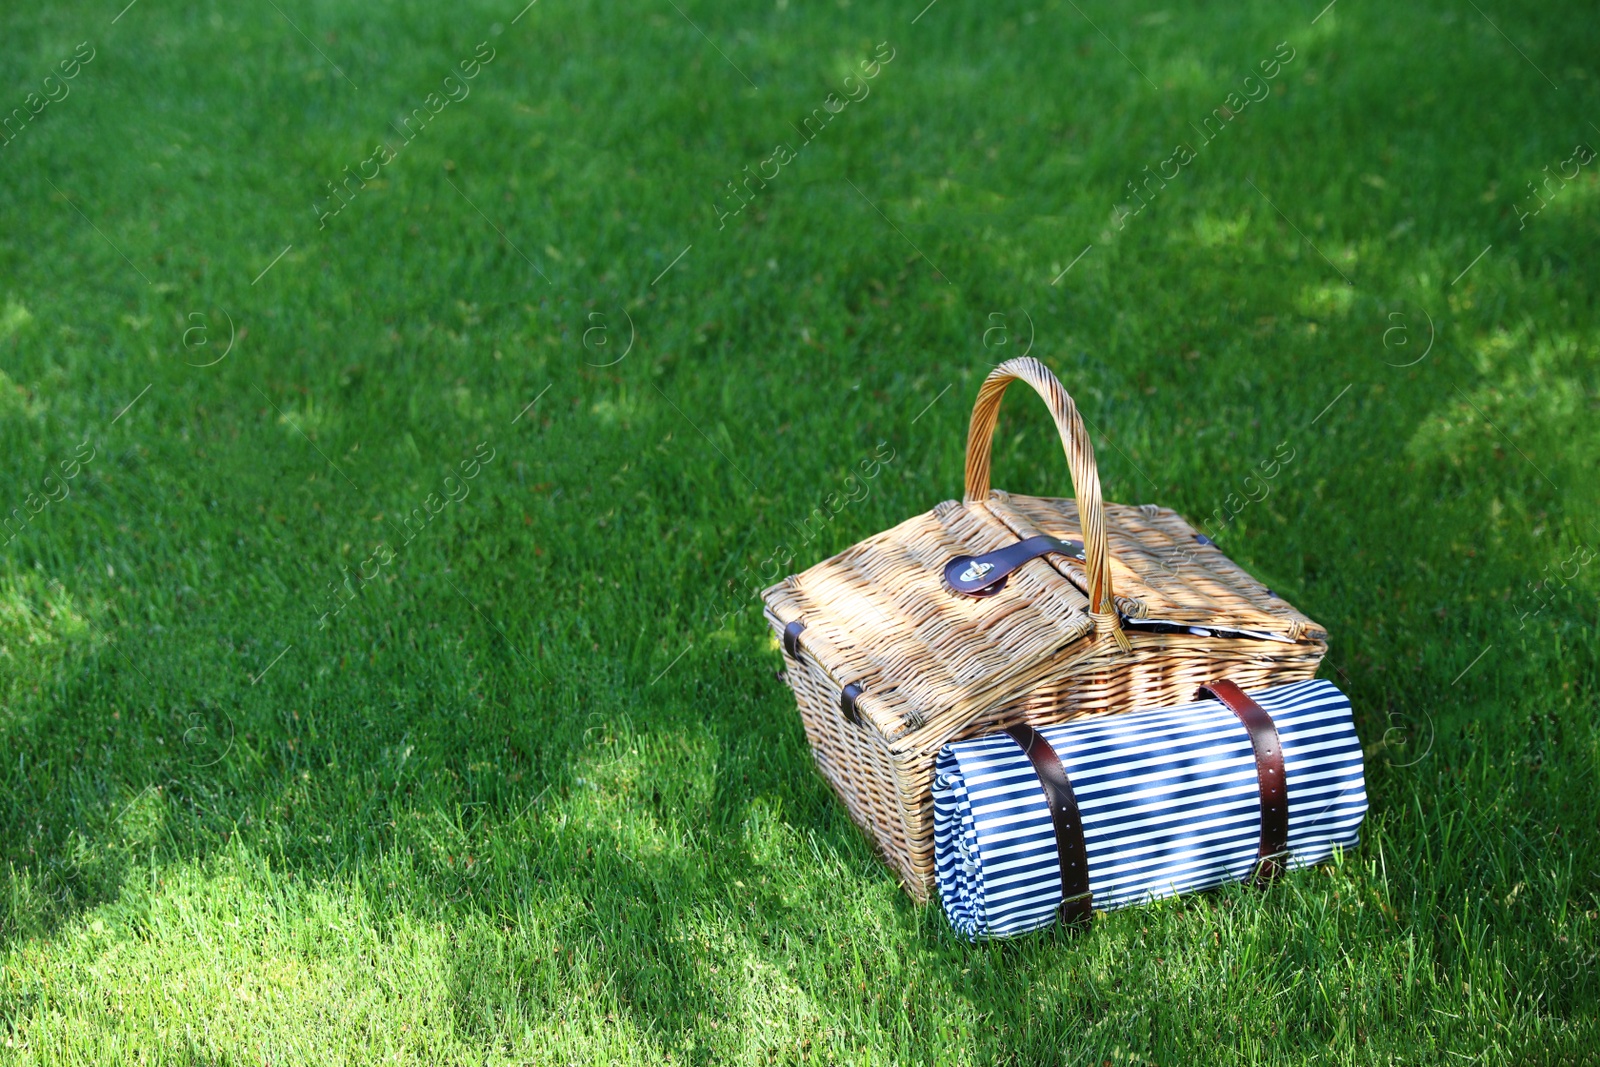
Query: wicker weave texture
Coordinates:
[935,666]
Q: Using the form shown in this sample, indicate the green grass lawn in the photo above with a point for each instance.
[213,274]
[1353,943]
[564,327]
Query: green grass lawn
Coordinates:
[392,686]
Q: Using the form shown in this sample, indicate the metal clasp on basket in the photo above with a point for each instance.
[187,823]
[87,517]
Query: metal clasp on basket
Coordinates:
[985,575]
[976,570]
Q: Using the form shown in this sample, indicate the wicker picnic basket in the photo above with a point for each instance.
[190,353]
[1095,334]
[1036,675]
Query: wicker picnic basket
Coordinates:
[1006,608]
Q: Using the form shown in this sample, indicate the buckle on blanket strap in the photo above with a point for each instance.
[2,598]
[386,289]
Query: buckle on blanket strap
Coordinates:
[1076,909]
[1270,780]
[1077,902]
[1268,868]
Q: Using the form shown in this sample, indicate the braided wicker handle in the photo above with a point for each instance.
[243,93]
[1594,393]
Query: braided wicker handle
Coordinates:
[1080,461]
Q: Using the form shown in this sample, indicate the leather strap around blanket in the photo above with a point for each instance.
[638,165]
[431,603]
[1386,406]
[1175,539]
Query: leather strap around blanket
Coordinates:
[1269,777]
[1076,903]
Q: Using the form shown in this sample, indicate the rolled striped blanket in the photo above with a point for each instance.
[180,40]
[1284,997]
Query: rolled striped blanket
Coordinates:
[1169,801]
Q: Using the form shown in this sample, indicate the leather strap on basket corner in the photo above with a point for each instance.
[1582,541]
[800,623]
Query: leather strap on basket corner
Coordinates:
[791,638]
[1269,777]
[1073,854]
[848,697]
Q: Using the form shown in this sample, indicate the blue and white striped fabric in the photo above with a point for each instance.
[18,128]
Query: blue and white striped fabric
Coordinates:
[1169,800]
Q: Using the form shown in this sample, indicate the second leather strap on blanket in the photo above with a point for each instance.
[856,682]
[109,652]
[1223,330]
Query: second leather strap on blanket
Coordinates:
[1067,821]
[1076,902]
[1274,847]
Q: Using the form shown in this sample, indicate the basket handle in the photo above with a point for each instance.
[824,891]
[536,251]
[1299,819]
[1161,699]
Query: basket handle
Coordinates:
[1080,461]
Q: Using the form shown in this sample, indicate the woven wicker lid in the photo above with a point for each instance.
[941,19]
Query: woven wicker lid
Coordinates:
[1161,568]
[927,659]
[879,616]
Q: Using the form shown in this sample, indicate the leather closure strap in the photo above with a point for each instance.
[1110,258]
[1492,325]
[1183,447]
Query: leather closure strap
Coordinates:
[986,575]
[1274,847]
[1073,854]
